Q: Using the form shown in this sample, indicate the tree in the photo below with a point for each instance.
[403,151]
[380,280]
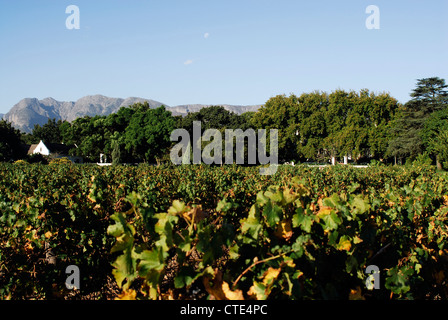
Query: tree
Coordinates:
[279,113]
[432,91]
[49,132]
[310,125]
[433,134]
[320,126]
[429,96]
[380,112]
[439,145]
[116,154]
[10,142]
[148,134]
[213,117]
[88,135]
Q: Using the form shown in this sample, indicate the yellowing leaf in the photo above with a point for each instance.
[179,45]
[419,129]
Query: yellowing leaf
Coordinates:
[35,235]
[289,262]
[270,275]
[257,291]
[357,240]
[231,295]
[445,198]
[356,294]
[289,196]
[48,234]
[261,291]
[344,244]
[195,214]
[127,295]
[324,211]
[284,230]
[220,289]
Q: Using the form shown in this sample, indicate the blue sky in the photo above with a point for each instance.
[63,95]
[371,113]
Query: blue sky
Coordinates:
[217,51]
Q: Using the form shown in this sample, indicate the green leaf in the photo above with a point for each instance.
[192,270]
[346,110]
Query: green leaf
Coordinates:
[223,206]
[150,260]
[273,214]
[177,207]
[299,246]
[185,277]
[234,252]
[134,198]
[274,194]
[398,280]
[124,242]
[258,290]
[300,219]
[125,266]
[251,226]
[115,230]
[359,205]
[262,199]
[351,264]
[331,221]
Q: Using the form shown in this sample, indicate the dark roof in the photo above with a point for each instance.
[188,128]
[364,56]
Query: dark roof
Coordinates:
[58,148]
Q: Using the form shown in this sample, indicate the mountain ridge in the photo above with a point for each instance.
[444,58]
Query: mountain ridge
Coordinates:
[31,111]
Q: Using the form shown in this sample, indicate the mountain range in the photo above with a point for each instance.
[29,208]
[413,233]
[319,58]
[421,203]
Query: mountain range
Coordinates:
[31,111]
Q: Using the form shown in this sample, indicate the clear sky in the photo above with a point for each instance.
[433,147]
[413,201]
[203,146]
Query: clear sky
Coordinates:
[217,51]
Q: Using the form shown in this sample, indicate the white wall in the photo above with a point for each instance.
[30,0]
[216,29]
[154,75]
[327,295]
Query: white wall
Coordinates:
[42,149]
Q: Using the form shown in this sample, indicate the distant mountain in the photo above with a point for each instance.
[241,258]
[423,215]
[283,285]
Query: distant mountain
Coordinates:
[31,111]
[187,108]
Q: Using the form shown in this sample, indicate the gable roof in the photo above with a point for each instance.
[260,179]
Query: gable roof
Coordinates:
[52,147]
[32,148]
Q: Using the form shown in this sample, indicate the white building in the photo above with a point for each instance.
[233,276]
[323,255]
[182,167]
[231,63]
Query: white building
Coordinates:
[54,150]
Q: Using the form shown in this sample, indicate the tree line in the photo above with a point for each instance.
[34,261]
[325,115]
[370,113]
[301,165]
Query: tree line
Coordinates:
[312,127]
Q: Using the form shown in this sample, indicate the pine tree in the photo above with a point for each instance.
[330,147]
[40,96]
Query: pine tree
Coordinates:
[429,96]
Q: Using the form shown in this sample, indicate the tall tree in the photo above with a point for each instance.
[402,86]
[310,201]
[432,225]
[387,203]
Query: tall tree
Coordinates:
[10,143]
[429,96]
[381,110]
[431,135]
[279,113]
[148,134]
[50,132]
[310,126]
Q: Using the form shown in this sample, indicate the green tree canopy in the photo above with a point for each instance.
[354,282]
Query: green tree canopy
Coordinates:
[148,134]
[10,142]
[319,125]
[50,132]
[429,96]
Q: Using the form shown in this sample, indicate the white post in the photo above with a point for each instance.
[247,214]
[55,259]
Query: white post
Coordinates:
[333,160]
[345,159]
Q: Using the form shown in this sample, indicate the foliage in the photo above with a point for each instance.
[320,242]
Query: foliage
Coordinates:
[419,118]
[50,132]
[57,161]
[147,136]
[10,144]
[224,232]
[116,154]
[319,125]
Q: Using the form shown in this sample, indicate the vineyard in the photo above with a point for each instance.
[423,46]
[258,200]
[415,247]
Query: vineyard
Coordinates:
[201,232]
